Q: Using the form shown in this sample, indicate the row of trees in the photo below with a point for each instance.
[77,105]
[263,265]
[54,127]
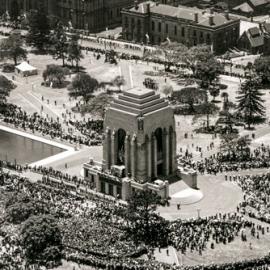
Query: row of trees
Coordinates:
[198,59]
[43,38]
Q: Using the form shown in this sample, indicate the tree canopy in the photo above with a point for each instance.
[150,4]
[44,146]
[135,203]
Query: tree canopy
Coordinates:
[5,87]
[171,53]
[83,85]
[39,30]
[119,81]
[42,240]
[12,48]
[97,105]
[207,71]
[262,67]
[74,51]
[197,54]
[146,226]
[190,96]
[55,75]
[59,43]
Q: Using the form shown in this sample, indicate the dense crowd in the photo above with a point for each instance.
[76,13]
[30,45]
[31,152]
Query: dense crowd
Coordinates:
[82,223]
[194,235]
[219,163]
[256,201]
[35,123]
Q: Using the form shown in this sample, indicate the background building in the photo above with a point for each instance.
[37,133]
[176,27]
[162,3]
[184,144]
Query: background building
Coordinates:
[92,15]
[153,23]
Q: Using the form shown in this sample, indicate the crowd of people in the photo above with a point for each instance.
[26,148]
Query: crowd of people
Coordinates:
[256,199]
[93,230]
[219,163]
[35,123]
[194,235]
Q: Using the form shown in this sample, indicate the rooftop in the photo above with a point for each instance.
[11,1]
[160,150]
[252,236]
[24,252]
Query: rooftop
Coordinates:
[139,101]
[185,13]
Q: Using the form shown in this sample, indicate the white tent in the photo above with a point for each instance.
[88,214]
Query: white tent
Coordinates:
[24,69]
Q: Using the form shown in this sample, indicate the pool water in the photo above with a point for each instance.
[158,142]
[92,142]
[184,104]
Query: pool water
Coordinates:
[24,150]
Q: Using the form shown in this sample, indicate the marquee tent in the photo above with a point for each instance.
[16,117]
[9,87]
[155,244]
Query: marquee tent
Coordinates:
[24,69]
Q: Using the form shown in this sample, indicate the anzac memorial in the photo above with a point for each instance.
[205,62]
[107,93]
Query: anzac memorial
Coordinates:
[139,147]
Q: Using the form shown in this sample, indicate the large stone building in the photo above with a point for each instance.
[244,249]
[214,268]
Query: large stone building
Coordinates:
[92,15]
[24,6]
[139,147]
[153,23]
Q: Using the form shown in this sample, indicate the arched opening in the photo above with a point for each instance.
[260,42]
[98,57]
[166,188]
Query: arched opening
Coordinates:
[159,138]
[121,135]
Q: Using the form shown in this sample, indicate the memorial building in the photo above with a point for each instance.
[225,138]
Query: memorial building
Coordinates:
[139,147]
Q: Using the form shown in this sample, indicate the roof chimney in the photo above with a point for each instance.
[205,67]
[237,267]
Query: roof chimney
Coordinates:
[196,17]
[148,8]
[211,19]
[136,5]
[227,15]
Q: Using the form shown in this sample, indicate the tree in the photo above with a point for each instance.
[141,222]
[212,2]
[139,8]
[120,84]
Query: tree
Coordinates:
[12,48]
[250,102]
[262,67]
[5,87]
[228,144]
[54,74]
[208,71]
[83,85]
[207,108]
[167,90]
[145,225]
[39,30]
[197,54]
[190,96]
[42,240]
[119,81]
[214,92]
[243,144]
[59,43]
[74,51]
[171,53]
[97,105]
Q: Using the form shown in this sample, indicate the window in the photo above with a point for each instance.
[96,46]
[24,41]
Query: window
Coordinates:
[194,33]
[183,32]
[111,189]
[167,28]
[175,30]
[159,27]
[153,26]
[102,187]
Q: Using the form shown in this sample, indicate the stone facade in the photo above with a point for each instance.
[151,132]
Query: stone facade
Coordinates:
[90,15]
[139,147]
[154,23]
